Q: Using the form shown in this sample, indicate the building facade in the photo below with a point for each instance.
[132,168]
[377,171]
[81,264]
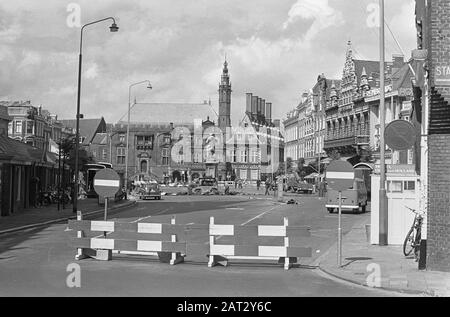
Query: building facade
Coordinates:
[432,116]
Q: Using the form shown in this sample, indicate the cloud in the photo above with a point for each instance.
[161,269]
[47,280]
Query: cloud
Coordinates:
[322,14]
[275,49]
[91,72]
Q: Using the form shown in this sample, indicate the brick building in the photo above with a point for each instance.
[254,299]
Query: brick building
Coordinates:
[432,63]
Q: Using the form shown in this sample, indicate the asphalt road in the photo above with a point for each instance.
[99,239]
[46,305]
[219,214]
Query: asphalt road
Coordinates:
[35,262]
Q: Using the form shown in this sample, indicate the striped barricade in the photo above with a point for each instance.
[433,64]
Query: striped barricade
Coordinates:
[128,237]
[243,249]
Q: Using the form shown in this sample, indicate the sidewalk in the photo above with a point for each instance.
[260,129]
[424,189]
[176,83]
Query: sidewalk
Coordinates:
[33,217]
[360,261]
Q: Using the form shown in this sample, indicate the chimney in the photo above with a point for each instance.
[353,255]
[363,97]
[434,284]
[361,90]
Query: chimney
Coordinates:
[254,104]
[249,102]
[269,111]
[398,60]
[263,107]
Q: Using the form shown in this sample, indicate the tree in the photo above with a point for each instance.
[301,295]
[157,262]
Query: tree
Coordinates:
[366,154]
[289,163]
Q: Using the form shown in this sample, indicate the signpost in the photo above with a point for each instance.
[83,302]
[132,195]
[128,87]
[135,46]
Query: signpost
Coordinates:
[340,176]
[106,184]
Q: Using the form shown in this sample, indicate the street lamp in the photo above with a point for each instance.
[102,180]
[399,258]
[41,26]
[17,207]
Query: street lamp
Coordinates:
[113,28]
[383,201]
[149,86]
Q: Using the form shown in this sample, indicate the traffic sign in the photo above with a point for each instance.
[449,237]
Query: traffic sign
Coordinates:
[400,135]
[340,175]
[106,183]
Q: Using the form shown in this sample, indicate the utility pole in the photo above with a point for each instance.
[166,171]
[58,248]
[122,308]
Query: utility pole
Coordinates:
[383,204]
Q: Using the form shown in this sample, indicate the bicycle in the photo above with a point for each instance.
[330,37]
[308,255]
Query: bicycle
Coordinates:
[413,238]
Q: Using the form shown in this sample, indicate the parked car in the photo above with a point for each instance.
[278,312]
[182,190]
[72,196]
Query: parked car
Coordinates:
[152,190]
[305,188]
[207,181]
[354,198]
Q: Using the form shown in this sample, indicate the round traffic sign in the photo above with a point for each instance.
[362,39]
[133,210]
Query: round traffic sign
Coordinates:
[400,135]
[340,175]
[106,183]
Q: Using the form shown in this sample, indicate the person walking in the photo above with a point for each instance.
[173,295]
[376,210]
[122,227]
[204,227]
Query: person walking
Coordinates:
[268,184]
[258,184]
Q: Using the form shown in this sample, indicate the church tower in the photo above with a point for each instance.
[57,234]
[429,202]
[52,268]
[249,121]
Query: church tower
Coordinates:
[225,99]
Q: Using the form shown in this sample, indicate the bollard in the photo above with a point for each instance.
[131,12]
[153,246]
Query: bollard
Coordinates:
[176,256]
[80,234]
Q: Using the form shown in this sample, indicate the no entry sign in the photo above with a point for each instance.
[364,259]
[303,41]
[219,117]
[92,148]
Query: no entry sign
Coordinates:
[106,183]
[340,175]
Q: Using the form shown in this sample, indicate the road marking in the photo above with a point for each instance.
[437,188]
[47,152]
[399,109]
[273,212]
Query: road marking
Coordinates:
[234,208]
[260,215]
[159,213]
[248,221]
[140,219]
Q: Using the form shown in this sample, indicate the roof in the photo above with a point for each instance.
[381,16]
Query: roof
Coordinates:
[176,113]
[13,150]
[402,77]
[372,70]
[100,138]
[88,127]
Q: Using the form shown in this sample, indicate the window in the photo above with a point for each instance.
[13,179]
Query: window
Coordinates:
[94,153]
[10,128]
[144,166]
[104,154]
[395,186]
[254,155]
[121,155]
[242,156]
[122,138]
[165,156]
[409,185]
[18,127]
[144,141]
[29,128]
[166,139]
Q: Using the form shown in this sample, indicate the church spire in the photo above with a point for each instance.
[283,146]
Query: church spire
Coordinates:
[225,98]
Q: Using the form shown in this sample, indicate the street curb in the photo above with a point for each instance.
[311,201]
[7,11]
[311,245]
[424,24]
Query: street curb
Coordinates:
[35,225]
[395,290]
[318,261]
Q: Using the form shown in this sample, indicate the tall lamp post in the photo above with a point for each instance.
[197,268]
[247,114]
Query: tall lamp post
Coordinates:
[149,86]
[113,28]
[383,203]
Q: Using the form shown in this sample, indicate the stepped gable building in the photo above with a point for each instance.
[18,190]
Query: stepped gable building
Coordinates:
[347,113]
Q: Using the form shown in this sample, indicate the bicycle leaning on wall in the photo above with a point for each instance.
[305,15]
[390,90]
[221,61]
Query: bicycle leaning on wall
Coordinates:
[413,238]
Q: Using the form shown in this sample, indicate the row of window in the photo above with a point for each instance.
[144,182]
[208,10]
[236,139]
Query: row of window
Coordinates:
[234,156]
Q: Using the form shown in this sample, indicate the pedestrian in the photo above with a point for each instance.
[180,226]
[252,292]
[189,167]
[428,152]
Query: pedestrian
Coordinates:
[268,184]
[258,184]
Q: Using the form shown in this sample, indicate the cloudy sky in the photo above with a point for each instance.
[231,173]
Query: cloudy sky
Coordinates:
[275,49]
